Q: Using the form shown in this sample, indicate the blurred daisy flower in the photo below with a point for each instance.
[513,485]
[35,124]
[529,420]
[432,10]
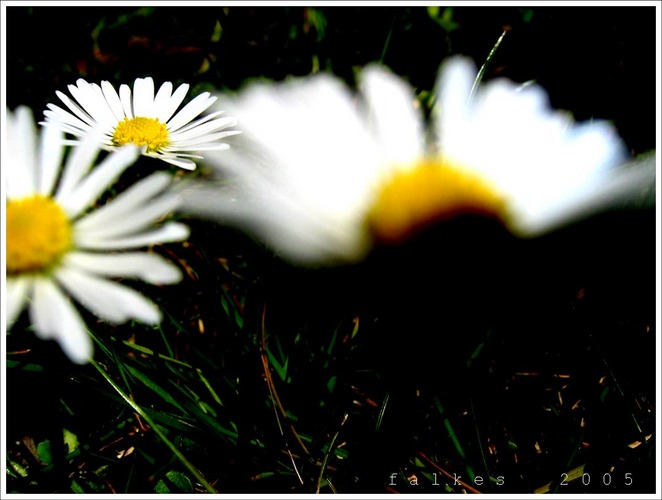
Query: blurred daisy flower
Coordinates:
[144,119]
[60,246]
[323,174]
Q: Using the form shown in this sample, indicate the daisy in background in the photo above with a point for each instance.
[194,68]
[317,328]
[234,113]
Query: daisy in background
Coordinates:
[323,174]
[60,247]
[144,119]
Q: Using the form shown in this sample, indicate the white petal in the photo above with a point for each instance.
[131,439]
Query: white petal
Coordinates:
[78,163]
[229,121]
[80,117]
[202,129]
[302,237]
[91,98]
[302,172]
[139,219]
[177,154]
[113,100]
[98,180]
[51,153]
[632,185]
[54,317]
[19,290]
[161,100]
[21,146]
[58,117]
[170,232]
[207,143]
[190,111]
[125,99]
[143,97]
[167,109]
[453,87]
[178,162]
[125,203]
[392,115]
[151,268]
[106,299]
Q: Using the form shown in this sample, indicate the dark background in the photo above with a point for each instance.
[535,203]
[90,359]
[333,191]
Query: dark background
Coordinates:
[596,62]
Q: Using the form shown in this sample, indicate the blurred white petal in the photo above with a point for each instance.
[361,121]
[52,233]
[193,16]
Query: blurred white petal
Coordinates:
[54,317]
[21,180]
[398,126]
[19,290]
[151,268]
[125,202]
[98,181]
[168,233]
[51,153]
[106,299]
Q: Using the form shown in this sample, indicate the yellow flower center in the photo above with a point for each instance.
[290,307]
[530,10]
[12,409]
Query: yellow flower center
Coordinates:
[39,233]
[141,131]
[433,190]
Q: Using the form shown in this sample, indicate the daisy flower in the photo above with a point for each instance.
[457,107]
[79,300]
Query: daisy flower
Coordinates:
[323,174]
[144,119]
[60,247]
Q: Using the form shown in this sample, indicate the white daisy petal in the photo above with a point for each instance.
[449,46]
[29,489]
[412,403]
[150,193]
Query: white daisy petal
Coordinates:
[162,98]
[178,162]
[307,180]
[150,268]
[89,189]
[54,317]
[78,164]
[168,233]
[21,142]
[76,343]
[206,146]
[143,97]
[200,130]
[106,299]
[454,86]
[398,127]
[125,99]
[19,290]
[64,120]
[166,111]
[81,119]
[125,203]
[51,152]
[113,100]
[224,122]
[190,111]
[138,220]
[91,99]
[168,154]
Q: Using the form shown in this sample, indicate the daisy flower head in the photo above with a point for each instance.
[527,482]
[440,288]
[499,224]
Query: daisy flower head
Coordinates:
[323,173]
[59,247]
[141,117]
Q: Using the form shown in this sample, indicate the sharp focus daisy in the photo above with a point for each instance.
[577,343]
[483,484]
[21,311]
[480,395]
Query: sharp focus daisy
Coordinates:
[143,118]
[323,174]
[60,247]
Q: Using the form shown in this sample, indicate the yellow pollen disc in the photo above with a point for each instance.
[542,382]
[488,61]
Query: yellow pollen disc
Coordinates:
[142,131]
[431,191]
[39,233]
